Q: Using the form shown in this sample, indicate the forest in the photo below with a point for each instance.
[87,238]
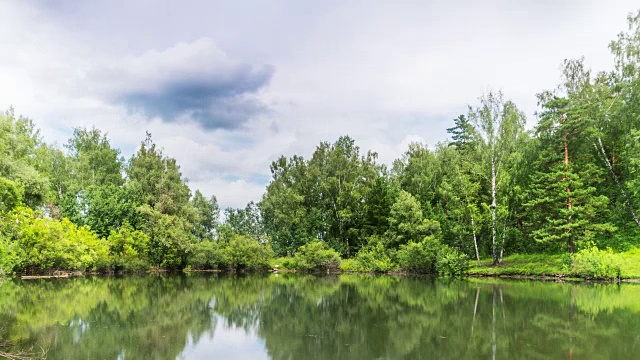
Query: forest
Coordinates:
[566,189]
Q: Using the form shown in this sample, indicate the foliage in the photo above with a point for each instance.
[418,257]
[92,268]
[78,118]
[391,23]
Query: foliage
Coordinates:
[374,258]
[128,249]
[286,263]
[208,255]
[322,198]
[207,214]
[247,253]
[450,262]
[10,195]
[406,223]
[45,243]
[246,221]
[316,256]
[594,263]
[419,257]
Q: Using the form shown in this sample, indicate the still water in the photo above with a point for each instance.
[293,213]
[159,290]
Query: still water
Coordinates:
[289,316]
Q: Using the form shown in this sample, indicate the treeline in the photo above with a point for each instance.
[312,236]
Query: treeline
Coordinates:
[494,188]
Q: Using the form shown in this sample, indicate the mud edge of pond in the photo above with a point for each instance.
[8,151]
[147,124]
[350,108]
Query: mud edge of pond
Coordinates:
[554,278]
[545,277]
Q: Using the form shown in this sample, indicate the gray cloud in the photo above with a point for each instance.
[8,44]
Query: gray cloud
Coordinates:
[187,82]
[212,102]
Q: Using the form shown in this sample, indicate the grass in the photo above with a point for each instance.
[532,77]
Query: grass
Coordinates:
[550,265]
[521,265]
[629,262]
[513,265]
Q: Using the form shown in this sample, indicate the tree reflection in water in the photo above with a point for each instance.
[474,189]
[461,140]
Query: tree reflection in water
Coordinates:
[292,316]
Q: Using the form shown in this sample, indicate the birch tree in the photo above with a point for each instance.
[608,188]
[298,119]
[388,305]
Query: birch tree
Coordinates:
[497,122]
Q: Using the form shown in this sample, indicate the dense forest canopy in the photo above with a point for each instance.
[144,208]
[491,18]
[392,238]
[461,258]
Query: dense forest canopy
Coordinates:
[493,188]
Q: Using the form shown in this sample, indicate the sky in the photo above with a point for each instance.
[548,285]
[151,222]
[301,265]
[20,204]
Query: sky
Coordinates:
[226,87]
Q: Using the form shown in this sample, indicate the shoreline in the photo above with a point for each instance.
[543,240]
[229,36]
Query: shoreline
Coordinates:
[507,276]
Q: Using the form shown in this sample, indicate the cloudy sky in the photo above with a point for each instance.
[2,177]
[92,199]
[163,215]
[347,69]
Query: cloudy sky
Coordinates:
[225,87]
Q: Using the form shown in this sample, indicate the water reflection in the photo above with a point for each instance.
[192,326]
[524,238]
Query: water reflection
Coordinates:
[296,316]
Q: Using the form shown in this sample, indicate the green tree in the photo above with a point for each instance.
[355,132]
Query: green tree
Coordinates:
[207,214]
[498,123]
[406,222]
[246,221]
[19,144]
[168,214]
[564,204]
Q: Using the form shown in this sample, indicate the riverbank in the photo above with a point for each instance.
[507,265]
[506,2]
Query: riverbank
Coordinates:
[551,266]
[518,266]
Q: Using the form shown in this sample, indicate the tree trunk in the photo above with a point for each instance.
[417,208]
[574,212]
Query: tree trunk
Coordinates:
[493,211]
[473,223]
[603,156]
[566,169]
[494,345]
[475,310]
[475,240]
[504,232]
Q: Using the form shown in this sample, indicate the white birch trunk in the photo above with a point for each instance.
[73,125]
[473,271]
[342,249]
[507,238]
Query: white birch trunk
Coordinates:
[475,241]
[473,223]
[493,208]
[605,159]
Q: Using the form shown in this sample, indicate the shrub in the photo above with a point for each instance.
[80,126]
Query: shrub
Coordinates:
[592,262]
[128,248]
[47,244]
[316,256]
[284,263]
[349,265]
[419,257]
[10,194]
[10,256]
[374,258]
[208,255]
[246,253]
[450,262]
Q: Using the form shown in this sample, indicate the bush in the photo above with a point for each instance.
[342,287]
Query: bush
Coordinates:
[349,265]
[10,195]
[208,255]
[246,253]
[450,262]
[47,244]
[419,257]
[374,258]
[128,248]
[284,263]
[594,263]
[10,256]
[316,256]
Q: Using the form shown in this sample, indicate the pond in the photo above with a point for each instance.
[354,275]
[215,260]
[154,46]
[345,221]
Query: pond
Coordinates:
[293,316]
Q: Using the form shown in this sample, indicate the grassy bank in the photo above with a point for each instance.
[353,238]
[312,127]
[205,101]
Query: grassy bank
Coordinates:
[552,265]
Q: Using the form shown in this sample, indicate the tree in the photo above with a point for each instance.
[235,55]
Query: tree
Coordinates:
[566,175]
[19,144]
[246,221]
[416,172]
[10,195]
[207,213]
[458,194]
[159,180]
[93,161]
[165,207]
[462,134]
[498,122]
[284,209]
[324,198]
[406,223]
